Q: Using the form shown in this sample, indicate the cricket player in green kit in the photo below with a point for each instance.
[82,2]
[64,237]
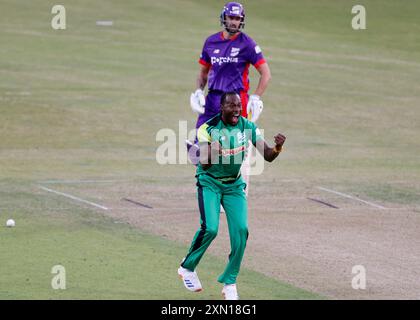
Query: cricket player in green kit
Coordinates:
[223,142]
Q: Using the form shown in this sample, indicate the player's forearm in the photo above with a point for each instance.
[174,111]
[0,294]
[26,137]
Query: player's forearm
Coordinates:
[202,78]
[205,166]
[264,80]
[205,156]
[201,82]
[271,153]
[209,155]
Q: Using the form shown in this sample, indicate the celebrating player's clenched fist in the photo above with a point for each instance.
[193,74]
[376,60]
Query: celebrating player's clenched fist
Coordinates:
[279,140]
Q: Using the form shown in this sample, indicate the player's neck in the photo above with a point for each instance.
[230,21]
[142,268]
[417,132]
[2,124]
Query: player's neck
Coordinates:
[226,122]
[227,36]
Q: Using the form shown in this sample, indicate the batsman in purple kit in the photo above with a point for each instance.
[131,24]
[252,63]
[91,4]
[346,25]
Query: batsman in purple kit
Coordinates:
[225,61]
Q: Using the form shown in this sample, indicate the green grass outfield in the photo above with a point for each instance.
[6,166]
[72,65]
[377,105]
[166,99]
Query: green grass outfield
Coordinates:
[86,103]
[103,259]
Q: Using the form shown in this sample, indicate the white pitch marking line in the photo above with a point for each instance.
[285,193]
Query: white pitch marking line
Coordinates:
[74,198]
[351,197]
[78,181]
[106,23]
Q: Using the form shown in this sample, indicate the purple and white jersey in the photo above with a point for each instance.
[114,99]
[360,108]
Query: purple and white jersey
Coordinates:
[229,60]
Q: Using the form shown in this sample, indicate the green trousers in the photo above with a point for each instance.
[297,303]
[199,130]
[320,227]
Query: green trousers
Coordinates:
[211,193]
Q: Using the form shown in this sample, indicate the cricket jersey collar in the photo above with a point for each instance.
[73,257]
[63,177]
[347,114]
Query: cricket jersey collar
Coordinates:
[231,39]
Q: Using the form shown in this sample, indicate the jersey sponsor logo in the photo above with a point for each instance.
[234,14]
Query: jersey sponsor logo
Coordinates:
[222,60]
[234,52]
[257,49]
[232,152]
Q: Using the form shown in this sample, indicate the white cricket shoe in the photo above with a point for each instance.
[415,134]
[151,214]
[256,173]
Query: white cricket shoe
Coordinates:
[190,279]
[229,292]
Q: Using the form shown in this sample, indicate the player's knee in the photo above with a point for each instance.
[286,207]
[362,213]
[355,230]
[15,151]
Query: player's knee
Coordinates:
[243,231]
[211,232]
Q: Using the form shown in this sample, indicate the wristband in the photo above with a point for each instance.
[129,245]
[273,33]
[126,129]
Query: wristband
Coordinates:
[277,150]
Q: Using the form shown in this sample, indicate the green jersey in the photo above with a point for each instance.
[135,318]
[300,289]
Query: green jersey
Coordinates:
[234,143]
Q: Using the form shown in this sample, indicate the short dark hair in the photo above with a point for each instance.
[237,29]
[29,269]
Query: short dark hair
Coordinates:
[226,95]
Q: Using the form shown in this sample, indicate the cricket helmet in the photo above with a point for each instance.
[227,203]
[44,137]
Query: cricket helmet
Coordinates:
[233,9]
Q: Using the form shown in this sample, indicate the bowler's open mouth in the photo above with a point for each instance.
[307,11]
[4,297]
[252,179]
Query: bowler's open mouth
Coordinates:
[235,118]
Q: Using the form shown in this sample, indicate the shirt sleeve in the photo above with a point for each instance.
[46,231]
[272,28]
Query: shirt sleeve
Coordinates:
[203,135]
[204,57]
[255,132]
[256,56]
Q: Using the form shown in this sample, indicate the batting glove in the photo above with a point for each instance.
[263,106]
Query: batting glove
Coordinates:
[254,108]
[198,101]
